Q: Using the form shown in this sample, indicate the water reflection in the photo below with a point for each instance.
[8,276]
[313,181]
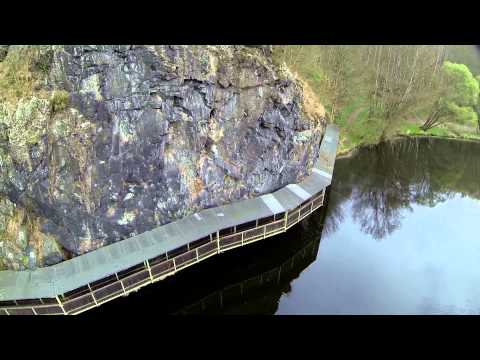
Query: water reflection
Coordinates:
[420,194]
[249,280]
[383,182]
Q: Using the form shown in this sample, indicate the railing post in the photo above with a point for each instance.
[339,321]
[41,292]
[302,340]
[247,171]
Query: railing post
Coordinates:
[286,219]
[34,312]
[174,265]
[93,296]
[264,231]
[61,305]
[243,232]
[196,253]
[149,270]
[6,311]
[218,242]
[121,283]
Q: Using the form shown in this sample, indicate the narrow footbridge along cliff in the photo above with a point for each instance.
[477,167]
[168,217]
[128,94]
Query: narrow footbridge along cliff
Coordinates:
[89,280]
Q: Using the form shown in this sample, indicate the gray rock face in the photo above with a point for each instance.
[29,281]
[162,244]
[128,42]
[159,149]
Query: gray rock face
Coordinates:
[154,133]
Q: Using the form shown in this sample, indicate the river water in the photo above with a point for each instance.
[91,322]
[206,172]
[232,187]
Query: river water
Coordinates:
[399,236]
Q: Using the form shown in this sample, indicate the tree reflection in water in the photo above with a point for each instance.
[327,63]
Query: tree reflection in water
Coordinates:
[382,182]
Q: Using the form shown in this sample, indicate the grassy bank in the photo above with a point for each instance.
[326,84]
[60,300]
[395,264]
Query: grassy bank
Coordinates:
[364,131]
[377,93]
[360,128]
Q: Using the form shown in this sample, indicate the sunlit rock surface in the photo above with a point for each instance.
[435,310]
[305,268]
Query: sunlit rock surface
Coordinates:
[125,138]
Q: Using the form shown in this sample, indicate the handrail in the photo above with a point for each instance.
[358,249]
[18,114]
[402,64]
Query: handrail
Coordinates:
[150,273]
[87,293]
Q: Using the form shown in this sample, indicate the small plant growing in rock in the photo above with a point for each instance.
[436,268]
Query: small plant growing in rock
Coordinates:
[60,101]
[43,61]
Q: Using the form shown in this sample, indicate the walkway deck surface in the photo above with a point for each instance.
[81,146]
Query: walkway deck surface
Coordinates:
[49,282]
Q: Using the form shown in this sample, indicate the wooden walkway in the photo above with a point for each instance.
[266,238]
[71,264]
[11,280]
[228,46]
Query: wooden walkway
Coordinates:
[90,280]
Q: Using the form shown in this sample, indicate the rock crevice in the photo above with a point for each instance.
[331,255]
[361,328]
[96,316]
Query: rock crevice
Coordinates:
[154,133]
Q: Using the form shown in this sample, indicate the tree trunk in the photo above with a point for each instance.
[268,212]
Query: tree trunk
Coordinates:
[432,121]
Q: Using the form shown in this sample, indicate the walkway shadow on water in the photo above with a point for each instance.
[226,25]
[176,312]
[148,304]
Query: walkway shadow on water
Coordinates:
[249,280]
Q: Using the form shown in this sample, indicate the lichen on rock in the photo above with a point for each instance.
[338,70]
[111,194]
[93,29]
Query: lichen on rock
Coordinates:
[104,142]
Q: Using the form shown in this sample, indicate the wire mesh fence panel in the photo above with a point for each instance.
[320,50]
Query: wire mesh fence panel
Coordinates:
[275,227]
[207,249]
[108,291]
[279,216]
[175,252]
[293,211]
[253,234]
[186,259]
[226,231]
[162,268]
[318,201]
[200,242]
[304,211]
[7,303]
[29,302]
[49,301]
[49,310]
[292,218]
[78,303]
[246,226]
[157,260]
[131,270]
[101,283]
[14,311]
[136,279]
[266,220]
[230,241]
[75,293]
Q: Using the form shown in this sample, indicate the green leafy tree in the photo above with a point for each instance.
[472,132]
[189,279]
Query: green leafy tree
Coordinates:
[457,97]
[477,108]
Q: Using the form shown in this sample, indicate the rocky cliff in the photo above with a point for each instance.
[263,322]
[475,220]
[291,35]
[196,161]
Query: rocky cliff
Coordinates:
[99,143]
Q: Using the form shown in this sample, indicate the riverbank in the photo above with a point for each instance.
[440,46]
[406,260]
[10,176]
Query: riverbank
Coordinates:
[362,131]
[351,151]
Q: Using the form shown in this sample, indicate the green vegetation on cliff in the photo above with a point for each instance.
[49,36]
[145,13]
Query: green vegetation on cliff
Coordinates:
[26,109]
[378,92]
[102,142]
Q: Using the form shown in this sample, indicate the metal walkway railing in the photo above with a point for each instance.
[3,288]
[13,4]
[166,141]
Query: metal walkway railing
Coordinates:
[153,270]
[92,279]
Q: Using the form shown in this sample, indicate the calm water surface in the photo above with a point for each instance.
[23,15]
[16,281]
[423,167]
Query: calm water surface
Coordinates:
[399,236]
